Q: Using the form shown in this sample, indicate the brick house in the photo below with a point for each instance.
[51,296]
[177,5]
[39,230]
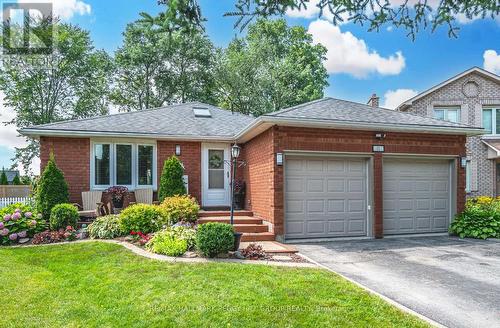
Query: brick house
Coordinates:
[471,97]
[327,168]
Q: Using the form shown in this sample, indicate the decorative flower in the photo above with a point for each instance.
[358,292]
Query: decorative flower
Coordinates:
[17,210]
[2,225]
[4,232]
[13,236]
[16,216]
[22,234]
[39,215]
[33,222]
[6,217]
[28,214]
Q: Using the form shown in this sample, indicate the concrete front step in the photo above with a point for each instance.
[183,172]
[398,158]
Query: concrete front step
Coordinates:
[237,220]
[257,236]
[203,213]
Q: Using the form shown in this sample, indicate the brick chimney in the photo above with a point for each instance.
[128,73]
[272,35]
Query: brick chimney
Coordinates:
[373,100]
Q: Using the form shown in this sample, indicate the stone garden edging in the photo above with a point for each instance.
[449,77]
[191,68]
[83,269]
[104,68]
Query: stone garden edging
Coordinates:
[141,252]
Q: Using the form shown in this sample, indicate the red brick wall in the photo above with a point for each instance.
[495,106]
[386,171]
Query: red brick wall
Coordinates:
[259,175]
[72,156]
[268,202]
[190,157]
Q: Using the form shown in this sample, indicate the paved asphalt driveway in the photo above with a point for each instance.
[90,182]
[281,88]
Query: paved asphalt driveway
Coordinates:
[454,282]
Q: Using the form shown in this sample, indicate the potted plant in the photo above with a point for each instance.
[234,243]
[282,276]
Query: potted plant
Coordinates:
[239,194]
[118,194]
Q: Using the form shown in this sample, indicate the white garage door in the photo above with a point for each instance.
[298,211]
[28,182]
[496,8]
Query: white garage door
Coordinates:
[325,197]
[416,196]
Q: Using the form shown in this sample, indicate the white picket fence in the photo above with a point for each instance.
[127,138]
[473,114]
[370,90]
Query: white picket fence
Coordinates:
[6,201]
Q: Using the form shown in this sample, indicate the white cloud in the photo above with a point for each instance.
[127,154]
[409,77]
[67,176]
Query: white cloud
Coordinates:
[9,137]
[491,61]
[348,54]
[65,9]
[394,98]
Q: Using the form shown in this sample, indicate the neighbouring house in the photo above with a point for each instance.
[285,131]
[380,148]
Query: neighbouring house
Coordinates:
[11,174]
[471,97]
[327,168]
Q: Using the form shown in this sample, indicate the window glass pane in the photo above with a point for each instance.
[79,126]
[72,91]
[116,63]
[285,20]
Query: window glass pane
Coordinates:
[124,164]
[453,115]
[101,161]
[215,169]
[498,121]
[145,165]
[439,114]
[487,120]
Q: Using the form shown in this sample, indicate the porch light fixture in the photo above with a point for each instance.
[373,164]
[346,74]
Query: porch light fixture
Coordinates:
[235,151]
[463,162]
[177,150]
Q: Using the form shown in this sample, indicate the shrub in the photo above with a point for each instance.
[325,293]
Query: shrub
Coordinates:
[3,178]
[171,182]
[181,208]
[52,189]
[49,237]
[171,241]
[143,218]
[19,221]
[16,181]
[480,219]
[106,227]
[214,238]
[254,252]
[62,216]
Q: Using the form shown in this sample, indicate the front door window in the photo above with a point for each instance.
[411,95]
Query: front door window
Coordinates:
[215,169]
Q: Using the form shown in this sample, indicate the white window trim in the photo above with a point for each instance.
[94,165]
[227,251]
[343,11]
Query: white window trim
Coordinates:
[135,167]
[446,109]
[468,175]
[493,109]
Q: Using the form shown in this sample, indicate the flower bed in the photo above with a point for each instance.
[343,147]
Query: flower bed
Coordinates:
[480,219]
[18,223]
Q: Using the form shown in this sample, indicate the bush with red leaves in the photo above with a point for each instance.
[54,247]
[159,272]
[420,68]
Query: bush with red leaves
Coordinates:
[49,237]
[254,252]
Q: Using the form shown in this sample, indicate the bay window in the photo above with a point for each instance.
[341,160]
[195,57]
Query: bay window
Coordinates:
[132,165]
[491,120]
[451,114]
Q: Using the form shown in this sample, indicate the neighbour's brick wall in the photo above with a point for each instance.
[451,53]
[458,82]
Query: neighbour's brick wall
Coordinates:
[72,156]
[471,112]
[263,172]
[190,158]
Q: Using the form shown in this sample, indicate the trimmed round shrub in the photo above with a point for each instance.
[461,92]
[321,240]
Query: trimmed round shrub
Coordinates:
[62,216]
[106,227]
[214,238]
[181,208]
[144,218]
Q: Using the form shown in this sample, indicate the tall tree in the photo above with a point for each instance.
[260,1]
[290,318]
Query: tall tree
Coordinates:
[71,82]
[154,68]
[3,178]
[411,15]
[273,67]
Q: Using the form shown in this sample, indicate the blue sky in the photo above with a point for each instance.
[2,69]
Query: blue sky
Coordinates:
[360,62]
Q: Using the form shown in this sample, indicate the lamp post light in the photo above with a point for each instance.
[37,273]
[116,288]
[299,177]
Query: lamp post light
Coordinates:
[235,153]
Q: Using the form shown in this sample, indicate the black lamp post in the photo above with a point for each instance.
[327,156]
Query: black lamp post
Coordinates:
[235,153]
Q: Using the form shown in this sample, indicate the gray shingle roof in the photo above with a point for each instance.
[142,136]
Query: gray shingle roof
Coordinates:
[11,174]
[174,120]
[346,111]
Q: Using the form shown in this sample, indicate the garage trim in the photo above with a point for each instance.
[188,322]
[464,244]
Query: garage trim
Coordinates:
[369,185]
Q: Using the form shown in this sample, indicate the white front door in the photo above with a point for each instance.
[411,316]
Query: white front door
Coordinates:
[215,173]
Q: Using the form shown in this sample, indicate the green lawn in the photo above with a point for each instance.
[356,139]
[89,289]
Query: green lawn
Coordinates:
[104,285]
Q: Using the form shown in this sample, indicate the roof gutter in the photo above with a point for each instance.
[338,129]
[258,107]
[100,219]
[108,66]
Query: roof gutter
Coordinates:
[34,133]
[268,121]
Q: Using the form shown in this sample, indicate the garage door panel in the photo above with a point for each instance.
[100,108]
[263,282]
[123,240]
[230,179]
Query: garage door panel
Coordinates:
[421,201]
[334,198]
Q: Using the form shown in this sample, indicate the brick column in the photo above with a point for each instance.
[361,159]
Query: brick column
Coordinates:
[378,197]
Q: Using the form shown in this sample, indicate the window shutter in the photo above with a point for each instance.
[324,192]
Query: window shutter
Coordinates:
[473,176]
